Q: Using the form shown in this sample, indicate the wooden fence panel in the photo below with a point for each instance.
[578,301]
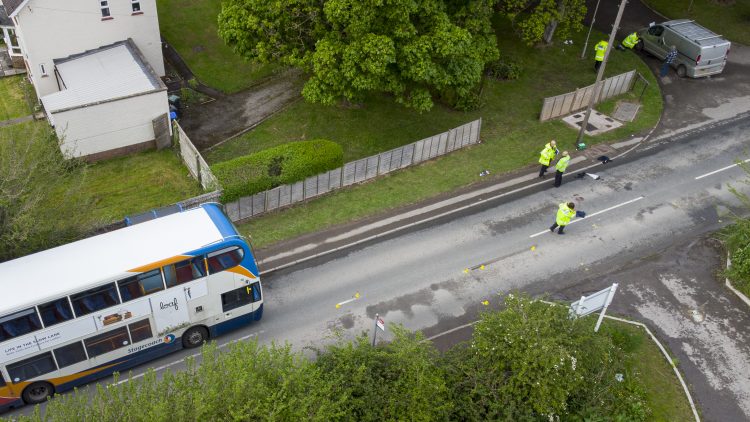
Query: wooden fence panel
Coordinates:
[285,195]
[334,180]
[298,192]
[355,172]
[564,104]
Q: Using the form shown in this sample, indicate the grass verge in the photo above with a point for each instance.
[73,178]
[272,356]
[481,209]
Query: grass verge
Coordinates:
[114,188]
[190,26]
[664,392]
[728,18]
[511,133]
[13,102]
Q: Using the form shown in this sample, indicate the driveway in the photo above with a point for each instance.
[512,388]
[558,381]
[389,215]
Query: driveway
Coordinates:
[688,103]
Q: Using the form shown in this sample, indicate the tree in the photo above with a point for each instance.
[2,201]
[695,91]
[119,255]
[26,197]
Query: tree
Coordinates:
[395,381]
[532,362]
[351,48]
[538,20]
[30,174]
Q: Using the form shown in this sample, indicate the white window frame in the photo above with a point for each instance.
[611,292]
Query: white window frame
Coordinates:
[104,6]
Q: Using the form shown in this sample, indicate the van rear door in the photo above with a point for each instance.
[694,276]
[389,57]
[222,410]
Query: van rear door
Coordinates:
[713,53]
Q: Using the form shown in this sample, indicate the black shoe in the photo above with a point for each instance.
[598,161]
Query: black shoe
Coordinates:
[560,232]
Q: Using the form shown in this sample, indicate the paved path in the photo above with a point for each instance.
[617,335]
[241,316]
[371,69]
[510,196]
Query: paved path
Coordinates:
[16,120]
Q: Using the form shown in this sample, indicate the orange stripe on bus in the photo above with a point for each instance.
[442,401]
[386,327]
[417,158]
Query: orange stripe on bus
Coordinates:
[159,264]
[16,388]
[242,271]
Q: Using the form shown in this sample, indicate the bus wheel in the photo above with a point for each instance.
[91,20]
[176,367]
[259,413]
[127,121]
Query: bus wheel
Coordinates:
[37,392]
[194,337]
[681,71]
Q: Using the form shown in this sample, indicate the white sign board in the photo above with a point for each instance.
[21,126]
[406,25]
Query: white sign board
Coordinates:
[380,323]
[594,302]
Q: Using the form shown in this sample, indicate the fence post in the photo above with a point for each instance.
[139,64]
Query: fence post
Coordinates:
[198,170]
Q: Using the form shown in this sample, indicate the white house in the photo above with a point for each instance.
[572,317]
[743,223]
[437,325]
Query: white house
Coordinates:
[96,67]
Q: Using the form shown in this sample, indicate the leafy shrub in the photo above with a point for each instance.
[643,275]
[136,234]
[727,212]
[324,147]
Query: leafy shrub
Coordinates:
[504,70]
[739,272]
[737,237]
[288,163]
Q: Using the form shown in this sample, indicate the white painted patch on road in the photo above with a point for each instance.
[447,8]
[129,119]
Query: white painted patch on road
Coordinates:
[594,214]
[720,170]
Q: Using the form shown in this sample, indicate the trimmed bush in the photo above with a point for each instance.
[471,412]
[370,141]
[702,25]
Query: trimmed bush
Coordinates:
[288,163]
[504,70]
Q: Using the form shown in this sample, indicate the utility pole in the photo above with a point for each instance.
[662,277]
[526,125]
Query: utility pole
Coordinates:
[593,20]
[597,84]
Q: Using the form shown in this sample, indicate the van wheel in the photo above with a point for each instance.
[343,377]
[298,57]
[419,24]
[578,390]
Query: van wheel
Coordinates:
[194,337]
[37,392]
[681,71]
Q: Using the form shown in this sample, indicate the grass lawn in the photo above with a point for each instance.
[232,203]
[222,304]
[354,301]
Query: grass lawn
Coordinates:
[646,362]
[13,102]
[511,132]
[190,26]
[728,18]
[114,188]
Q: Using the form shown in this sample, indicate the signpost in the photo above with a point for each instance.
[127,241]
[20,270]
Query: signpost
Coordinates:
[592,303]
[379,325]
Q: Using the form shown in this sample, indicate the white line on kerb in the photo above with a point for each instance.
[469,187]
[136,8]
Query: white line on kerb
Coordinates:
[194,355]
[721,169]
[596,213]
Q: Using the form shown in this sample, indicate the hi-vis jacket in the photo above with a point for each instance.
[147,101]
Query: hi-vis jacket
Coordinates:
[631,40]
[564,215]
[547,154]
[600,48]
[562,164]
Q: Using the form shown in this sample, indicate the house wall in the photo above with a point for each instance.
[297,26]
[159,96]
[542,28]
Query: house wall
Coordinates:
[55,29]
[115,125]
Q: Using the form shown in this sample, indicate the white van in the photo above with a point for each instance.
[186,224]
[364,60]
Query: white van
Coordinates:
[701,51]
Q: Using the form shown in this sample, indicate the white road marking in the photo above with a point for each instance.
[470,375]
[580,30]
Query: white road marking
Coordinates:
[596,213]
[194,355]
[720,170]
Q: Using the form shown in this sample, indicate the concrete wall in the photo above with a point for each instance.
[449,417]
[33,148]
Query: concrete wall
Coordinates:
[116,125]
[54,29]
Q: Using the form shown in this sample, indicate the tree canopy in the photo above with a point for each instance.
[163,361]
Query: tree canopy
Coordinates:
[351,48]
[538,20]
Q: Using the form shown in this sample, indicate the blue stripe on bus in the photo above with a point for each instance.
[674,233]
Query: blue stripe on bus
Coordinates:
[235,323]
[220,220]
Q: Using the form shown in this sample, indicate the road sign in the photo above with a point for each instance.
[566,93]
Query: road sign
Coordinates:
[592,303]
[380,323]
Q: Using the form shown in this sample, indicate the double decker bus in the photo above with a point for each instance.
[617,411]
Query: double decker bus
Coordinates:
[84,310]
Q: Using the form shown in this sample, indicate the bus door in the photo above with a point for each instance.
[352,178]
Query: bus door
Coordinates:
[170,311]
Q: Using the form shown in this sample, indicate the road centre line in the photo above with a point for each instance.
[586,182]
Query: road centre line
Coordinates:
[594,214]
[194,355]
[720,170]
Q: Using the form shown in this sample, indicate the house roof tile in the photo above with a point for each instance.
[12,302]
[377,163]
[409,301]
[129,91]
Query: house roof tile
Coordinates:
[11,6]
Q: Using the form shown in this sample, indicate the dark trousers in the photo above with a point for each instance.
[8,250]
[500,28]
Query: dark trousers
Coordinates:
[597,65]
[558,178]
[554,226]
[543,170]
[664,69]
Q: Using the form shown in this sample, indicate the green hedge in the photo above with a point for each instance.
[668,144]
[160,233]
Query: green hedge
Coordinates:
[288,163]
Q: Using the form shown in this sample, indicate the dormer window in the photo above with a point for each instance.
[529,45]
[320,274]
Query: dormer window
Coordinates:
[104,5]
[136,6]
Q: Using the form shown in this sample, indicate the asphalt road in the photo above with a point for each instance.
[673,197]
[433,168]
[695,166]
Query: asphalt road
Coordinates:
[644,203]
